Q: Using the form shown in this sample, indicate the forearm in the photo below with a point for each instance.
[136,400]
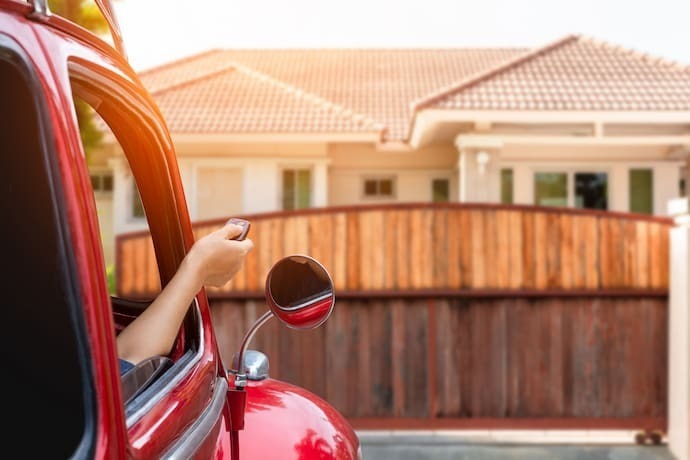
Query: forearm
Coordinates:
[154,331]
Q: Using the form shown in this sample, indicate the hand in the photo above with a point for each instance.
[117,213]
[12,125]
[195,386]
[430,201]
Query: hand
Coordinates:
[215,258]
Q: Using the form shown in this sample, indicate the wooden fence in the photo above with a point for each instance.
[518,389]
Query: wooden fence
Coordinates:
[458,315]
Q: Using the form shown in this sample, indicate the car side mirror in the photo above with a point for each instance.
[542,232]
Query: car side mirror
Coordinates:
[300,293]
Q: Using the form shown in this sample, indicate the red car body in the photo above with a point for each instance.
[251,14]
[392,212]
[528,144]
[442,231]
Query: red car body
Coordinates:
[60,349]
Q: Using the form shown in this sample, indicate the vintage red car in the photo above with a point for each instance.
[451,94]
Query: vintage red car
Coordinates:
[64,396]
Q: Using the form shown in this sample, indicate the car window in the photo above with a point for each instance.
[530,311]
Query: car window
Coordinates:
[46,369]
[119,135]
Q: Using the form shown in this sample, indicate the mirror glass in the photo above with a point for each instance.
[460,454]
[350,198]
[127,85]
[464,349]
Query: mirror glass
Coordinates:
[300,292]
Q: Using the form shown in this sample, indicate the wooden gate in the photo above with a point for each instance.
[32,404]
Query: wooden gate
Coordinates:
[451,315]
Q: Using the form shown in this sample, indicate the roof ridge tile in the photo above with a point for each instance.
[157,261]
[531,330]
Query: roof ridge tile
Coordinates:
[176,62]
[491,72]
[204,76]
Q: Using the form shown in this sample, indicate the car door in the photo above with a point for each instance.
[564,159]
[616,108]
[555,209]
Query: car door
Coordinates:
[180,414]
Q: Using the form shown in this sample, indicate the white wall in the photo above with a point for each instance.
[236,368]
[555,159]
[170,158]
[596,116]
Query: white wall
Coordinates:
[346,187]
[261,181]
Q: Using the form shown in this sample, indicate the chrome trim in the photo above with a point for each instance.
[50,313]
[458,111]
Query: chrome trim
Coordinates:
[255,365]
[173,382]
[240,376]
[40,10]
[308,301]
[188,443]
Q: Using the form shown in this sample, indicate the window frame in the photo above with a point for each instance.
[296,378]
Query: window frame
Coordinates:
[295,169]
[379,178]
[436,180]
[14,54]
[570,173]
[141,131]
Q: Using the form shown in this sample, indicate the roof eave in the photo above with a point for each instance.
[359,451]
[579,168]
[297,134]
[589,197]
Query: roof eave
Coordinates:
[425,119]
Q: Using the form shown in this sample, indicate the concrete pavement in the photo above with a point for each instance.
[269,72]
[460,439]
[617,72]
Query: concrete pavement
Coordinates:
[513,445]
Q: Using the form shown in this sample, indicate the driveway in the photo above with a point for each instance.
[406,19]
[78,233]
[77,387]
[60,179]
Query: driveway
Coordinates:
[392,445]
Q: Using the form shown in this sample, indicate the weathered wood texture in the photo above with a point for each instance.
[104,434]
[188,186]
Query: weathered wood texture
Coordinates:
[471,344]
[471,358]
[448,247]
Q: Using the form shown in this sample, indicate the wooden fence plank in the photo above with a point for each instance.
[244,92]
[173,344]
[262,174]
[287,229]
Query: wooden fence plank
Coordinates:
[515,265]
[403,252]
[443,247]
[540,263]
[478,249]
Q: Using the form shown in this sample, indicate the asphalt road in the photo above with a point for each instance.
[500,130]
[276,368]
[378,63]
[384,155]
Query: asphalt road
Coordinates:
[419,447]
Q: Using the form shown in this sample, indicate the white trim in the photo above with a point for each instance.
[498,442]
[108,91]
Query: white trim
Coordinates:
[557,116]
[423,119]
[498,141]
[278,137]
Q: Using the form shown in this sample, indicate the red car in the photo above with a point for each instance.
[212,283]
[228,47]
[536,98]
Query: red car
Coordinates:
[63,393]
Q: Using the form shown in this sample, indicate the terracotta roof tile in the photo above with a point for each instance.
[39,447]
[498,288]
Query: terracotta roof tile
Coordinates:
[378,90]
[378,86]
[574,74]
[238,101]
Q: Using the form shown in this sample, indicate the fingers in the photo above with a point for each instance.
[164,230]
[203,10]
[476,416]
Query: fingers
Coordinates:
[229,231]
[246,244]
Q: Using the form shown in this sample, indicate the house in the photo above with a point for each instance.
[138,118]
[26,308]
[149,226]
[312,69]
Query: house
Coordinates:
[577,122]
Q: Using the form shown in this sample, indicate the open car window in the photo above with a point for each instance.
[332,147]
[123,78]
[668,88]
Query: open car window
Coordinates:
[119,135]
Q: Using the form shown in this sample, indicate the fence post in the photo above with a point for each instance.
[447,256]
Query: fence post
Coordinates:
[679,331]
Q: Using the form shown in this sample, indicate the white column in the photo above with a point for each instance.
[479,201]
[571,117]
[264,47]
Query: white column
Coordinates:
[479,174]
[462,176]
[679,331]
[320,185]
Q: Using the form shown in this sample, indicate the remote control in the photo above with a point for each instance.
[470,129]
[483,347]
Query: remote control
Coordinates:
[242,223]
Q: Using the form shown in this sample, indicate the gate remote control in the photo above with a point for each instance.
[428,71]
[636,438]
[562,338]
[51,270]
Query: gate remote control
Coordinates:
[242,223]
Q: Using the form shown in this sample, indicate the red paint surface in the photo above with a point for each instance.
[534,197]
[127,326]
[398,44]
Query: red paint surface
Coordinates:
[288,422]
[306,426]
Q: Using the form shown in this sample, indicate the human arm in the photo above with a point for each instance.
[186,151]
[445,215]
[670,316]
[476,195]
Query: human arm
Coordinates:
[212,261]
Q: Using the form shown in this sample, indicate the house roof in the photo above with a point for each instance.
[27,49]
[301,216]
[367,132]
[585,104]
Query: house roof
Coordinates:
[574,73]
[379,90]
[236,99]
[377,86]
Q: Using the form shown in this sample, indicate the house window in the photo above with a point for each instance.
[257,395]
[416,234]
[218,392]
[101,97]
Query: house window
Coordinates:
[550,189]
[102,182]
[381,187]
[682,188]
[591,190]
[296,189]
[507,186]
[440,190]
[641,186]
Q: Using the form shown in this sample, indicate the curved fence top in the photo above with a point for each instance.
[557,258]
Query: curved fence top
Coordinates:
[447,247]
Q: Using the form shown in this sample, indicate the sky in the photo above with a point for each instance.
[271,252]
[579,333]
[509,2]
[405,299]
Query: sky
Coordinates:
[159,31]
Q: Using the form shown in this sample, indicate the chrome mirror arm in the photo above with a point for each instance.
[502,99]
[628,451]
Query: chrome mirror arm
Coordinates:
[240,374]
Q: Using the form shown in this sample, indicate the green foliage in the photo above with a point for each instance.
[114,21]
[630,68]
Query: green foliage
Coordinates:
[84,13]
[110,277]
[91,136]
